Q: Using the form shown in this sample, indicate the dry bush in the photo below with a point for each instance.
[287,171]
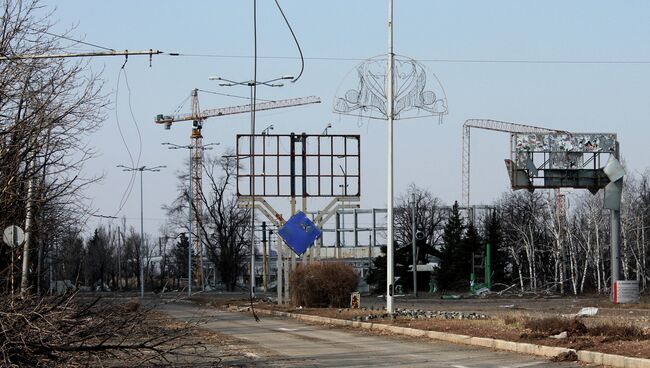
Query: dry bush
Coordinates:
[542,327]
[556,325]
[618,332]
[65,331]
[513,320]
[323,284]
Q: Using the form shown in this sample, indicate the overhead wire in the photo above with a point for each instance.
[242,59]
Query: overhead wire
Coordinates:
[127,191]
[295,39]
[230,95]
[134,120]
[77,41]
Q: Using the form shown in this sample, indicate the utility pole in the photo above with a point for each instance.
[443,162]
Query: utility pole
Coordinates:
[390,278]
[414,246]
[264,270]
[141,169]
[120,244]
[82,54]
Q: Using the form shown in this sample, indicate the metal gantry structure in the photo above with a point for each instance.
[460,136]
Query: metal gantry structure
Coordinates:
[197,117]
[496,126]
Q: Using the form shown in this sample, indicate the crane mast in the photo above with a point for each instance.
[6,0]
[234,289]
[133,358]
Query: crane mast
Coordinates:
[493,125]
[197,117]
[196,175]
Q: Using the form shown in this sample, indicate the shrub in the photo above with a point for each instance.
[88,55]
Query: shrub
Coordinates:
[555,325]
[617,331]
[323,284]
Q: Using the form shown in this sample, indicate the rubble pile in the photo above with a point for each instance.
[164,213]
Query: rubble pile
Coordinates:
[420,314]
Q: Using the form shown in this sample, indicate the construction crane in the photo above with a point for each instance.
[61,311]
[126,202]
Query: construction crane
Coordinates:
[197,117]
[493,125]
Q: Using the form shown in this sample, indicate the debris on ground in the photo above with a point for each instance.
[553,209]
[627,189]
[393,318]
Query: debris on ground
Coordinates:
[421,314]
[587,312]
[567,356]
[561,335]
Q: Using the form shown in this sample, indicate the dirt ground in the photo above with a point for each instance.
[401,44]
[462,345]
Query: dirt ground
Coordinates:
[616,329]
[201,348]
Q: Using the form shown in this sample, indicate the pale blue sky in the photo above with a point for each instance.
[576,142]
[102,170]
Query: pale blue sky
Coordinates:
[575,97]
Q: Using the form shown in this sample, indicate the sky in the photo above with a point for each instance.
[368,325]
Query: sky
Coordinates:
[495,59]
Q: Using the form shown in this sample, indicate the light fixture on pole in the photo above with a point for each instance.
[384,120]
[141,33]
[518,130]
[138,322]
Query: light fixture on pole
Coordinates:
[141,169]
[223,82]
[329,125]
[190,147]
[267,129]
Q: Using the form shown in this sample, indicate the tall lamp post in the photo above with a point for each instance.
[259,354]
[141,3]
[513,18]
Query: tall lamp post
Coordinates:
[190,147]
[141,169]
[390,102]
[253,83]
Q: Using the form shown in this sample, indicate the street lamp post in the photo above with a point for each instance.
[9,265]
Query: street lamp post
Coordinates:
[329,125]
[253,88]
[141,169]
[390,85]
[267,130]
[190,147]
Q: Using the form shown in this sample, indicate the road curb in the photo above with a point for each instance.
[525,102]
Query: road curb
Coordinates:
[585,356]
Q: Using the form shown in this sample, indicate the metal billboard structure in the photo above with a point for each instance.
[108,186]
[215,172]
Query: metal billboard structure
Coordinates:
[297,165]
[572,160]
[560,160]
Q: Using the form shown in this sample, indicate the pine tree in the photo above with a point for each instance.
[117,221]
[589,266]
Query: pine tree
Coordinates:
[471,246]
[446,275]
[500,258]
[180,256]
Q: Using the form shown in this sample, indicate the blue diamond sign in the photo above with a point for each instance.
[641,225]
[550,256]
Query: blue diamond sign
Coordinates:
[299,232]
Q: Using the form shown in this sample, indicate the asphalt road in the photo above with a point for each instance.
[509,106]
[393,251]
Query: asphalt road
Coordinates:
[282,342]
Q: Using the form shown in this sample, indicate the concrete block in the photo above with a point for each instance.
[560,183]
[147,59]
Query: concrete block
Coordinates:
[381,327]
[590,356]
[525,348]
[549,351]
[414,332]
[435,335]
[457,339]
[482,341]
[505,345]
[366,325]
[614,360]
[637,363]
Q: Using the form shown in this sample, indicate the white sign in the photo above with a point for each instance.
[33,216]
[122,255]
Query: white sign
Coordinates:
[626,292]
[13,236]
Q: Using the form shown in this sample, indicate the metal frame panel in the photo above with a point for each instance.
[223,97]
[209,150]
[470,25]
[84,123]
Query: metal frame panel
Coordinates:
[299,165]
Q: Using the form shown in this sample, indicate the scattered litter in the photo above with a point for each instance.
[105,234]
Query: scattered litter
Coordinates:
[251,355]
[283,329]
[561,335]
[450,297]
[482,291]
[587,312]
[567,356]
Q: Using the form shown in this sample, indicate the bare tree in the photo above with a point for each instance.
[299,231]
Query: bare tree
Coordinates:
[47,109]
[226,228]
